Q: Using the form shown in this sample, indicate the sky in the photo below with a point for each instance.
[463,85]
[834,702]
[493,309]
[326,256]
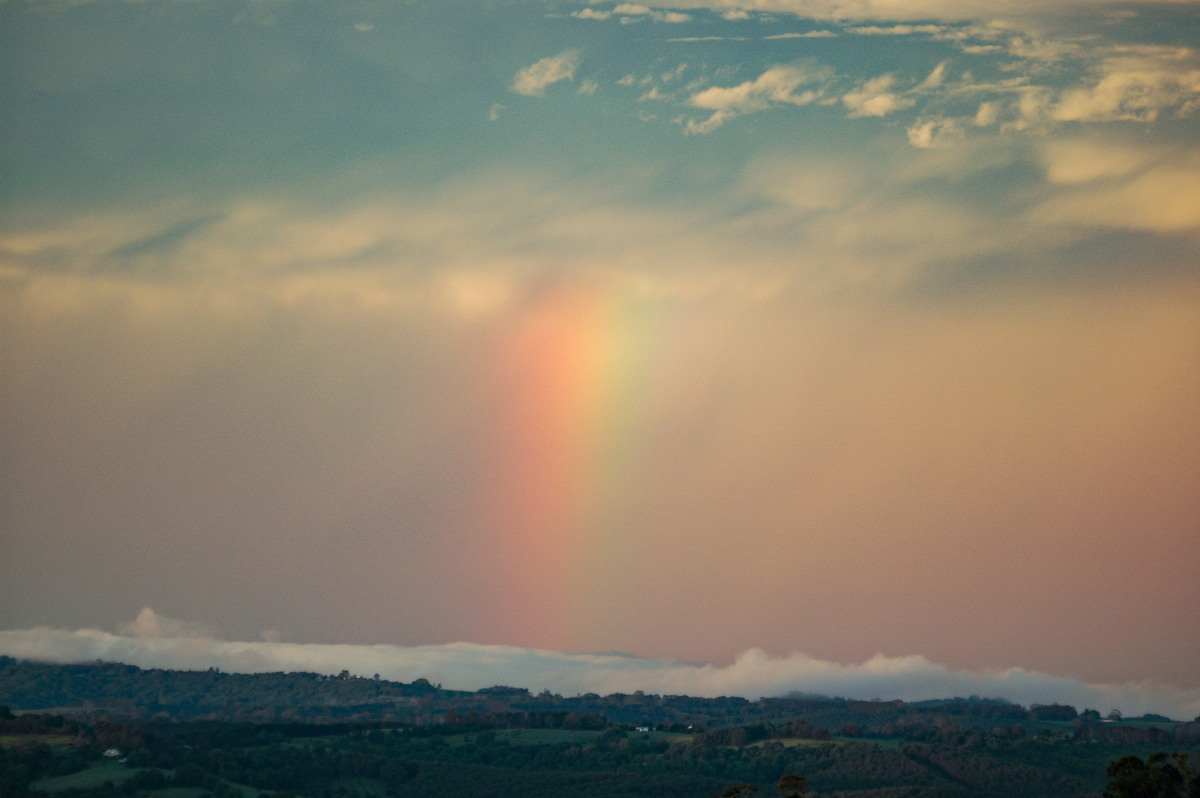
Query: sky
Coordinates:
[781,337]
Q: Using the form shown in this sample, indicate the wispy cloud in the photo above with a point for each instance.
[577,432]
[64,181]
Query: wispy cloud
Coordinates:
[630,12]
[777,85]
[812,34]
[153,641]
[533,79]
[902,10]
[896,30]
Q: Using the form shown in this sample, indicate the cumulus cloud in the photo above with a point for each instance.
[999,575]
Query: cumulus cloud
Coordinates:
[987,114]
[930,133]
[777,85]
[875,98]
[466,666]
[533,79]
[149,625]
[1136,87]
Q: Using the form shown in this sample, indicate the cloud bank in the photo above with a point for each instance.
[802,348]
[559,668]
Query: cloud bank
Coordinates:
[154,641]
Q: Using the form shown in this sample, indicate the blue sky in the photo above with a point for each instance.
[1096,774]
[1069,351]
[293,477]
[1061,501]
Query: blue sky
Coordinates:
[682,329]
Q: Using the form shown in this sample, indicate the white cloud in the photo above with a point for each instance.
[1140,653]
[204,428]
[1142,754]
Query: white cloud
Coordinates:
[149,624]
[935,78]
[874,98]
[533,80]
[778,84]
[812,34]
[467,666]
[630,11]
[1136,87]
[896,30]
[1073,161]
[1121,187]
[930,133]
[987,114]
[900,10]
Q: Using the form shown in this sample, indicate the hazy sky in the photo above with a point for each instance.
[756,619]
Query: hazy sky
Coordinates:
[820,327]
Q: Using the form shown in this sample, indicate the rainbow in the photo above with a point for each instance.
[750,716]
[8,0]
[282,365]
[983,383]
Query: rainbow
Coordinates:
[574,386]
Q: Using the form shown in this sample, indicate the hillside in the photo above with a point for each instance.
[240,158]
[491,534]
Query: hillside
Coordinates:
[307,734]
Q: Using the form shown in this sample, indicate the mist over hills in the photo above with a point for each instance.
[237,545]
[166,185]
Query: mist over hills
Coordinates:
[127,692]
[157,642]
[104,727]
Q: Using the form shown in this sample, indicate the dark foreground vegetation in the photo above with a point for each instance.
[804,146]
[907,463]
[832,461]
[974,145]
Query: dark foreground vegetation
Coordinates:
[106,729]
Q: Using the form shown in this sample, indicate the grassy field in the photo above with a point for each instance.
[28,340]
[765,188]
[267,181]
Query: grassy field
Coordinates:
[15,740]
[553,736]
[795,742]
[94,777]
[361,788]
[529,736]
[90,779]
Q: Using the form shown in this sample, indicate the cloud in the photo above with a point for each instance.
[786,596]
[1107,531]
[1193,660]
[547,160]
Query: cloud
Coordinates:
[148,625]
[153,641]
[629,11]
[987,114]
[935,78]
[636,9]
[778,84]
[874,98]
[903,10]
[896,30]
[1136,87]
[533,80]
[1114,186]
[927,134]
[812,34]
[1073,161]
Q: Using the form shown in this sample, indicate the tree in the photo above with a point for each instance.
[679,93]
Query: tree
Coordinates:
[791,786]
[1161,776]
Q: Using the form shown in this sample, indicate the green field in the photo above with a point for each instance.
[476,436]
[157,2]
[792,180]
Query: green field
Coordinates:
[90,779]
[15,740]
